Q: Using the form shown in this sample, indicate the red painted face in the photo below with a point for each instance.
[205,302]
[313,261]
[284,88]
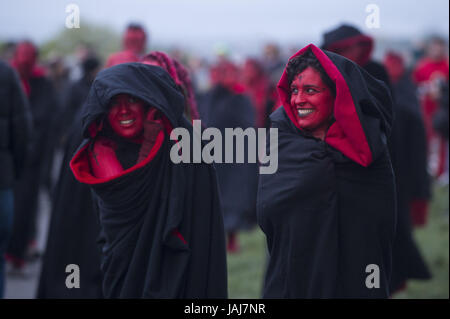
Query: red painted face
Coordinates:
[126,115]
[25,58]
[312,101]
[134,40]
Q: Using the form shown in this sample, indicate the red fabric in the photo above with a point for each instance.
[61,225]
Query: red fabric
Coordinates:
[178,234]
[365,55]
[121,57]
[82,171]
[395,66]
[163,60]
[419,212]
[134,40]
[346,134]
[257,86]
[401,288]
[226,73]
[24,62]
[103,160]
[424,74]
[152,126]
[179,74]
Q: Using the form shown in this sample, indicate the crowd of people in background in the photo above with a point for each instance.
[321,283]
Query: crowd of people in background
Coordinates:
[223,93]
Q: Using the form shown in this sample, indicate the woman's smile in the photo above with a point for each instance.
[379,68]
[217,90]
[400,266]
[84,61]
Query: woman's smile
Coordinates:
[127,123]
[305,112]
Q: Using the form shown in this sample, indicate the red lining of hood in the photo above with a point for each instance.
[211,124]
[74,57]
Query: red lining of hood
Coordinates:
[351,41]
[82,171]
[346,134]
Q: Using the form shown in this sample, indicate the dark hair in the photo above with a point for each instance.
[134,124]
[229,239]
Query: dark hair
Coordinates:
[135,27]
[308,59]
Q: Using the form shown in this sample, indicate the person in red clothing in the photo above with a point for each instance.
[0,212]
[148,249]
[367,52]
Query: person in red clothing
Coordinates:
[258,87]
[134,42]
[36,175]
[430,73]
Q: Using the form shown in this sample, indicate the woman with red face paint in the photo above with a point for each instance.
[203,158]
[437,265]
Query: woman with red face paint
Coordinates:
[161,225]
[329,211]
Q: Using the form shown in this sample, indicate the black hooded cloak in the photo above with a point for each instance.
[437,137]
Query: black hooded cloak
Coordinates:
[329,211]
[162,231]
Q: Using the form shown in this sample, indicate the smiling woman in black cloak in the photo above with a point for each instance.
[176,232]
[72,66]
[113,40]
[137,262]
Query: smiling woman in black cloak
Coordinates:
[329,211]
[161,226]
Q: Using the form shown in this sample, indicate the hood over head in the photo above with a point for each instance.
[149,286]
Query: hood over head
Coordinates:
[362,107]
[148,83]
[346,36]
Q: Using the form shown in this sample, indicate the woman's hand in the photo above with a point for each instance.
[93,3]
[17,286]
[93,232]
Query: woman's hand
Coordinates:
[103,159]
[152,126]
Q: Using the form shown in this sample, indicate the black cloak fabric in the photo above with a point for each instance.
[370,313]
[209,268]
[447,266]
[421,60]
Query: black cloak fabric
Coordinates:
[408,151]
[221,108]
[330,209]
[43,107]
[73,231]
[162,231]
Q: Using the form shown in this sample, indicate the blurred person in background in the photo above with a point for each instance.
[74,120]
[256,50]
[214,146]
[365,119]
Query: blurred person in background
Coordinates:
[181,77]
[274,66]
[430,74]
[7,50]
[225,105]
[257,86]
[15,131]
[43,107]
[58,74]
[348,41]
[77,93]
[409,160]
[134,45]
[273,62]
[74,226]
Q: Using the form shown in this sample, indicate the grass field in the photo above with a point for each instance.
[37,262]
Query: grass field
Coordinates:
[246,269]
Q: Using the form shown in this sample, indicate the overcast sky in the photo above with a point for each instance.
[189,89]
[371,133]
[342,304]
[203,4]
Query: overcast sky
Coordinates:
[191,21]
